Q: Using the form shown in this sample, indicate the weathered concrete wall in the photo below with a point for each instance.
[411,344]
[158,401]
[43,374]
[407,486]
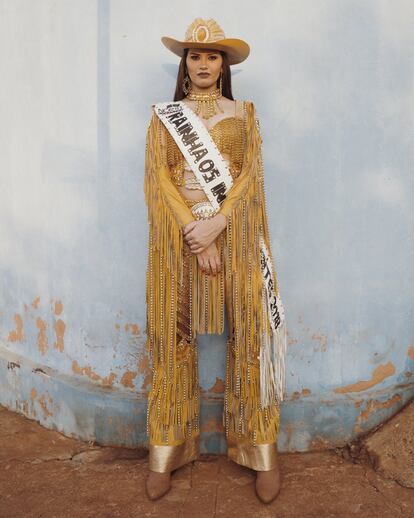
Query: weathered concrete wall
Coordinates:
[332,83]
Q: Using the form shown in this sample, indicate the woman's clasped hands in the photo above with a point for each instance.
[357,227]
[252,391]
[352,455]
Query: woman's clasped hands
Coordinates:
[201,236]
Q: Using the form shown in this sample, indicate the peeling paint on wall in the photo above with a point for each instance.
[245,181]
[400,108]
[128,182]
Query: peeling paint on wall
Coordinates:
[107,381]
[373,405]
[305,392]
[128,378]
[60,327]
[17,335]
[144,368]
[380,374]
[218,386]
[41,337]
[43,406]
[133,328]
[58,307]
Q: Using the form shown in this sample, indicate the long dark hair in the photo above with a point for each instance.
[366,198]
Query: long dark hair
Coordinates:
[182,72]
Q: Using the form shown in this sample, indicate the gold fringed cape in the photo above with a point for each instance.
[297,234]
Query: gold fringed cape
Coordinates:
[245,208]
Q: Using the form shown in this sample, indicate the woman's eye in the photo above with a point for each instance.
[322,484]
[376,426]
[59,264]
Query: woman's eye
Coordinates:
[194,57]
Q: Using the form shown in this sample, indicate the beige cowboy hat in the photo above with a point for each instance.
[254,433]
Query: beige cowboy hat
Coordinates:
[207,34]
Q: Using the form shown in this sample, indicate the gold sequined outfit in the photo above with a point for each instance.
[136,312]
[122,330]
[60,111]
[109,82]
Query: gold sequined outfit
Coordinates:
[229,136]
[182,300]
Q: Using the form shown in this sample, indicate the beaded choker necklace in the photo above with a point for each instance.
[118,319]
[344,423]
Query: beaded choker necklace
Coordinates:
[206,103]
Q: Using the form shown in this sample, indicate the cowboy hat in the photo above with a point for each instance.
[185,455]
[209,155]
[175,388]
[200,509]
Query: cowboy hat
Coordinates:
[207,34]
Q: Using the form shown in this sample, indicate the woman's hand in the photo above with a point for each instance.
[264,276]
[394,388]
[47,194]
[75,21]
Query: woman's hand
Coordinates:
[209,259]
[201,233]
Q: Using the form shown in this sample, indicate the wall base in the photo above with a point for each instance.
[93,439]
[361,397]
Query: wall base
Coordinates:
[83,410]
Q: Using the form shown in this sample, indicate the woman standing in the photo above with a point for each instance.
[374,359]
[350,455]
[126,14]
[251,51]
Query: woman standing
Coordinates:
[209,250]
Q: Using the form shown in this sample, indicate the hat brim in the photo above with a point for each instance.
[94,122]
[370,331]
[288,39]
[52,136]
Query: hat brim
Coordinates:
[236,50]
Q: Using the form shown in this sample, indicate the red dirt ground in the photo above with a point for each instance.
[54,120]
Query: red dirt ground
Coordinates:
[45,474]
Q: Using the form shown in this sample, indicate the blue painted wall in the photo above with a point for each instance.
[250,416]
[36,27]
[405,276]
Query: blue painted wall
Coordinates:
[333,88]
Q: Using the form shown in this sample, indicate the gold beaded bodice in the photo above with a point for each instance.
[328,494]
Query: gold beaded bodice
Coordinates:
[229,135]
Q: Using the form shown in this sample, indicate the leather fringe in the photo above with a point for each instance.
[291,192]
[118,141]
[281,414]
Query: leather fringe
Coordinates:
[171,416]
[245,223]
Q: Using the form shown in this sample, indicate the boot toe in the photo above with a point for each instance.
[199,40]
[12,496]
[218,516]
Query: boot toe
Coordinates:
[157,484]
[268,486]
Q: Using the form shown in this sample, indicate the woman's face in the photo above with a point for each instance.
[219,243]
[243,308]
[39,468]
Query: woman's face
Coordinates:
[207,62]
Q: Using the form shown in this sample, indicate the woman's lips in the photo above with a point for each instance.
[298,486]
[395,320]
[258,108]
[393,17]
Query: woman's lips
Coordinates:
[204,74]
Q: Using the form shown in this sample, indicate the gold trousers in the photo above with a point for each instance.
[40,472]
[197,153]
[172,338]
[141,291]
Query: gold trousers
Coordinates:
[251,431]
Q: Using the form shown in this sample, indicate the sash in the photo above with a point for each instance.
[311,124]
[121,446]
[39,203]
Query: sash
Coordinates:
[213,174]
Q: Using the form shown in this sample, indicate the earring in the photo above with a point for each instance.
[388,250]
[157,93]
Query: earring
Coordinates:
[221,83]
[186,85]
